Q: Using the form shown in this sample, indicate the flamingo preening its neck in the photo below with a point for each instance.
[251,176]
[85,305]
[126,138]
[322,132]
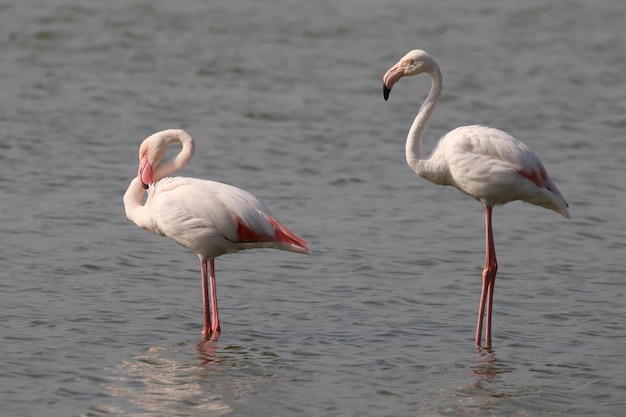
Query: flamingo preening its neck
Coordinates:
[206,217]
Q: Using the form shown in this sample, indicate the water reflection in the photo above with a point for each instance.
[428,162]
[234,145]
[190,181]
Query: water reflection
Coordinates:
[487,367]
[206,348]
[158,383]
[202,377]
[486,391]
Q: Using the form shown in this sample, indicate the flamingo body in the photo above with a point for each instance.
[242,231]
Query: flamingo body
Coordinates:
[207,217]
[211,218]
[493,167]
[487,164]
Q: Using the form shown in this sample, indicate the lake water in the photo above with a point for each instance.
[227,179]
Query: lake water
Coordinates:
[284,99]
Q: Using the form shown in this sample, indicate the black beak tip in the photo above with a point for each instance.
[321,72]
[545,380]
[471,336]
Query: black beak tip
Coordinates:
[386,92]
[145,186]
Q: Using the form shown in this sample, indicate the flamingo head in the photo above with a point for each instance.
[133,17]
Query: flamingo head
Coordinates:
[151,153]
[413,63]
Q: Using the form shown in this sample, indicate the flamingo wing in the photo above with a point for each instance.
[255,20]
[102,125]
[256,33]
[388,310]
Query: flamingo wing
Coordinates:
[211,218]
[493,167]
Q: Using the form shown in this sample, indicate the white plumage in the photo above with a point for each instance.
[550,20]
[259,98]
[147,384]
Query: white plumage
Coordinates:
[494,168]
[206,217]
[485,163]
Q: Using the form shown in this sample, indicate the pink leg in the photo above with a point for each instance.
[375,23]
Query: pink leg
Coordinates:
[206,330]
[489,279]
[481,310]
[215,319]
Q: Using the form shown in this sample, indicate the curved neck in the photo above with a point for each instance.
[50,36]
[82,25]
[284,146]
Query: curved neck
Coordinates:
[165,168]
[133,204]
[151,153]
[416,133]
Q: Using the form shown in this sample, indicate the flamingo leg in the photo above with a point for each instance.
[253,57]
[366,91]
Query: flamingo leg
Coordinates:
[215,319]
[206,330]
[489,279]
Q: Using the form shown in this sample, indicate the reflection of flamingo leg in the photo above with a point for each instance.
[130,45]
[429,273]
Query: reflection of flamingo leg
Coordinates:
[206,350]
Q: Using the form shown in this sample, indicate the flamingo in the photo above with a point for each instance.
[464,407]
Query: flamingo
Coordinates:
[206,217]
[485,163]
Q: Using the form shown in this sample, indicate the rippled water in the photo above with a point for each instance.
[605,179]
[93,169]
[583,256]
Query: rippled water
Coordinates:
[99,317]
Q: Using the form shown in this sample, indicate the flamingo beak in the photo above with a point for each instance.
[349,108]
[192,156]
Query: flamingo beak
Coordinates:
[145,173]
[140,175]
[391,77]
[386,91]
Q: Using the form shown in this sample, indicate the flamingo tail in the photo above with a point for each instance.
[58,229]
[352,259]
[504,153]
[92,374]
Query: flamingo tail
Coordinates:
[286,236]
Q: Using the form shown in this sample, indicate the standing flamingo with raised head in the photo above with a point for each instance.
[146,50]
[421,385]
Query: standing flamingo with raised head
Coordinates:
[207,217]
[485,163]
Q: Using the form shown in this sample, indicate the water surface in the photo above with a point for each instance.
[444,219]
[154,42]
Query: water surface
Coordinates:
[284,99]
